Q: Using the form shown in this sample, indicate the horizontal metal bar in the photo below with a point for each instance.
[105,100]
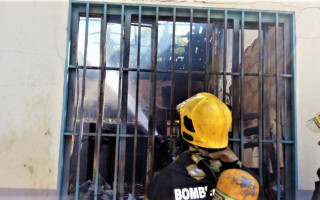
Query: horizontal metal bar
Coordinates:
[107,135]
[250,11]
[234,139]
[93,67]
[69,133]
[286,75]
[121,135]
[181,71]
[263,141]
[281,141]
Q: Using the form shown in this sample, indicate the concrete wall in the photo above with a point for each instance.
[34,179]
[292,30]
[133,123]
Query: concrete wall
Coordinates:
[32,61]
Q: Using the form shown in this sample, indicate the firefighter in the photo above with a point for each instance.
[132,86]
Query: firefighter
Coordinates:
[204,122]
[314,125]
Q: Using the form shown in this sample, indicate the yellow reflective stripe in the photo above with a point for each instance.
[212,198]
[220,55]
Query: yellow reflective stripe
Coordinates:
[196,158]
[219,194]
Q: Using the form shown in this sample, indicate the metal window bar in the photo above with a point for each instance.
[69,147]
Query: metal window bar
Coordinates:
[64,145]
[260,99]
[115,184]
[82,101]
[287,110]
[266,40]
[293,107]
[152,103]
[124,104]
[225,41]
[185,72]
[242,86]
[121,132]
[237,148]
[277,105]
[69,97]
[206,84]
[172,71]
[190,54]
[103,43]
[136,106]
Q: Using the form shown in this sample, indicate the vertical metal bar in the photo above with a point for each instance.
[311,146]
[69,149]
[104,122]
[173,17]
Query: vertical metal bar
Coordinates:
[82,101]
[214,67]
[102,79]
[172,69]
[173,40]
[139,37]
[124,104]
[206,81]
[277,106]
[289,179]
[215,55]
[235,92]
[115,178]
[287,120]
[136,110]
[225,42]
[242,85]
[190,54]
[267,147]
[294,105]
[260,98]
[69,172]
[286,65]
[152,103]
[62,169]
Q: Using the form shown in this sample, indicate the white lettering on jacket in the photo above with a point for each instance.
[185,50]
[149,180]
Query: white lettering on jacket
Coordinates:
[191,193]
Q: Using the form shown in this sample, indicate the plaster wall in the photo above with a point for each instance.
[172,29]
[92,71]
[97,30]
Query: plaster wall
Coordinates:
[32,62]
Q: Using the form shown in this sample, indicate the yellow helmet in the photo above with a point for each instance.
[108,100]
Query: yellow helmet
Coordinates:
[314,124]
[205,121]
[236,184]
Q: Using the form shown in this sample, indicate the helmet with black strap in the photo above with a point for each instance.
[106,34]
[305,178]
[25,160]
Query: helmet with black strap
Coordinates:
[205,121]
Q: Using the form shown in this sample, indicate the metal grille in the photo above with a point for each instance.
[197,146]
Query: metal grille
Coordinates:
[127,68]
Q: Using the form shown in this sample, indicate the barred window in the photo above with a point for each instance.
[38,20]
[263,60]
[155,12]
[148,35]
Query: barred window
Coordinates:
[127,68]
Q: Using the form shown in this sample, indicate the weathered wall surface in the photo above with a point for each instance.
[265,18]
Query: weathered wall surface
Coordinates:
[308,97]
[32,55]
[32,60]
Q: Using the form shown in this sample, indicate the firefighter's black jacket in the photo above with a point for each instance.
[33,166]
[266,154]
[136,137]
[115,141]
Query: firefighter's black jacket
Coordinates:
[184,179]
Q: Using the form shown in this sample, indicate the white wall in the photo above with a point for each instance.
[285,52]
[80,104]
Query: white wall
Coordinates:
[308,93]
[32,62]
[32,56]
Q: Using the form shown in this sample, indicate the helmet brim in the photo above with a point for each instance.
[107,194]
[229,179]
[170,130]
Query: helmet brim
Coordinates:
[313,126]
